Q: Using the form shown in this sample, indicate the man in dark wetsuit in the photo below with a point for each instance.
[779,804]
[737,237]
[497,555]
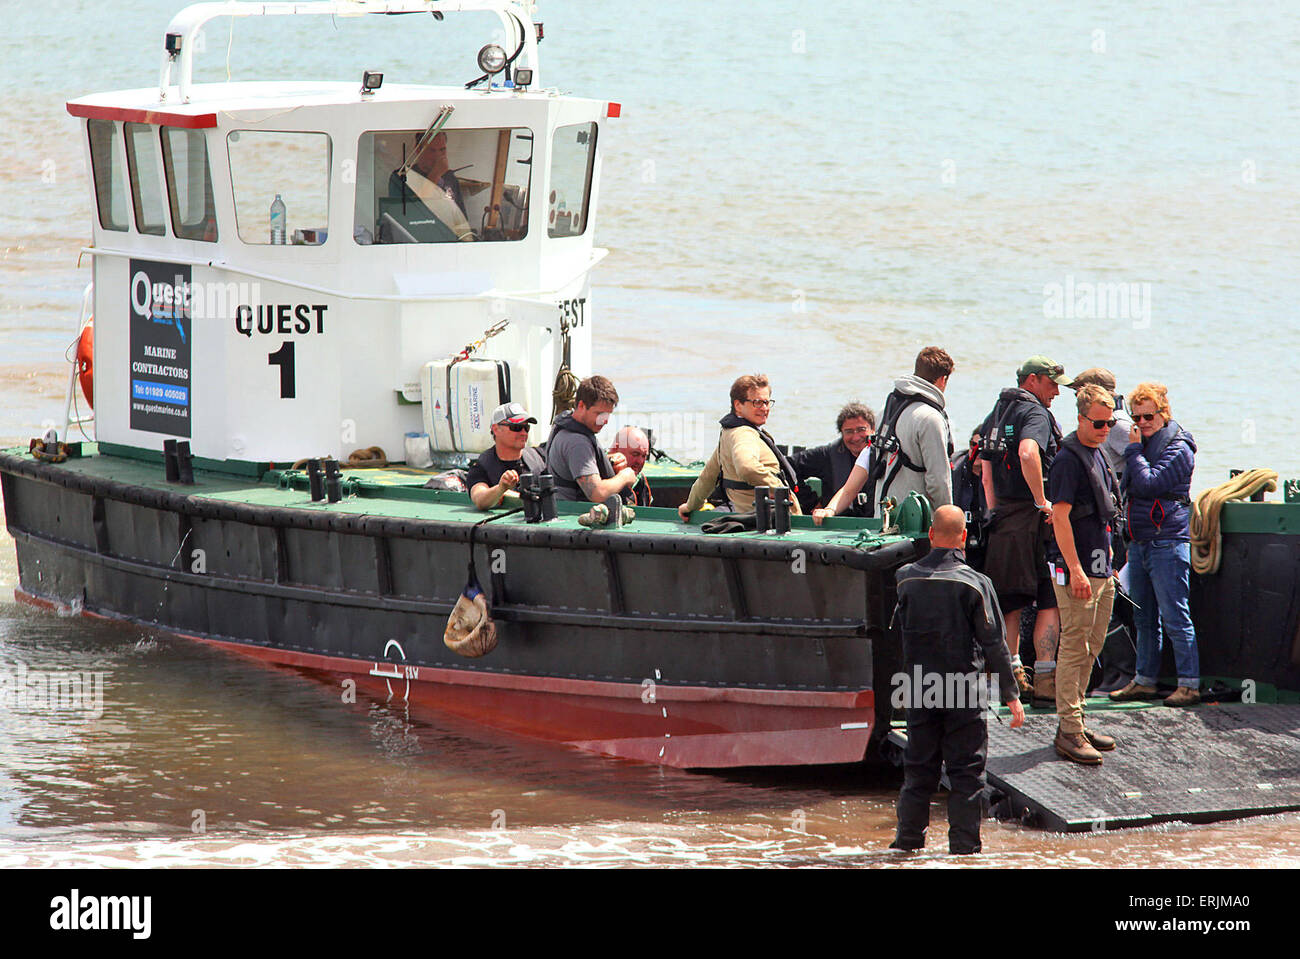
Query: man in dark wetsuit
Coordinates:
[952,632]
[1020,440]
[496,471]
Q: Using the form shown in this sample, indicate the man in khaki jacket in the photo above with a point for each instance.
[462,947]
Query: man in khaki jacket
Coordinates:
[746,455]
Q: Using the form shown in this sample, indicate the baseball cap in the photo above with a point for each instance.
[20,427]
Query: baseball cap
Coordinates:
[513,413]
[1042,365]
[1102,377]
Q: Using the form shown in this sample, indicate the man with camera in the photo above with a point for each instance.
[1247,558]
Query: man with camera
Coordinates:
[1020,440]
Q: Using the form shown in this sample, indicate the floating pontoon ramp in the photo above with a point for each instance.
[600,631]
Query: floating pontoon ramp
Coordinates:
[1208,763]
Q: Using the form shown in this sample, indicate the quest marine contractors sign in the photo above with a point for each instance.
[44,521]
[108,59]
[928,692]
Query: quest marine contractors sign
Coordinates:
[161,316]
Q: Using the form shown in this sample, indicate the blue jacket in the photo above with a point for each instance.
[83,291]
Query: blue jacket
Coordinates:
[1157,485]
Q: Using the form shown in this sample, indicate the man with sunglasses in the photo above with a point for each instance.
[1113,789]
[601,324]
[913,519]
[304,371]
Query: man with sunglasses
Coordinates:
[1082,491]
[496,471]
[1113,447]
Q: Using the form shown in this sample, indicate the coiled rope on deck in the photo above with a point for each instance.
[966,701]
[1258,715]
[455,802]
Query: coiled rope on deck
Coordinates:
[1207,540]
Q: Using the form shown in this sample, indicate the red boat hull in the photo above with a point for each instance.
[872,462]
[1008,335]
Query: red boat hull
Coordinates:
[682,726]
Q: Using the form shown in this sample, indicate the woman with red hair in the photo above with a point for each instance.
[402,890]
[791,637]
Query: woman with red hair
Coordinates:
[1158,464]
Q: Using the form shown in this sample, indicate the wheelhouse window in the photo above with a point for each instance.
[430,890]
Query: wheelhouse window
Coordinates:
[109,174]
[291,168]
[189,184]
[146,179]
[573,157]
[453,186]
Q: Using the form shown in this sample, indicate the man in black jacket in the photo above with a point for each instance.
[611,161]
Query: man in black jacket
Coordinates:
[952,631]
[833,462]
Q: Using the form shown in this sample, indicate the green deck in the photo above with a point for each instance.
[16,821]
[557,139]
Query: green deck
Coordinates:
[398,492]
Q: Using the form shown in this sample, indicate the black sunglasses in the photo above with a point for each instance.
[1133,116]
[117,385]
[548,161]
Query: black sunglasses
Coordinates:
[517,427]
[1102,424]
[1139,417]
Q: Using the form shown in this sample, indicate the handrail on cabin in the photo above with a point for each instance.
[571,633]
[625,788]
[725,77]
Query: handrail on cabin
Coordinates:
[179,40]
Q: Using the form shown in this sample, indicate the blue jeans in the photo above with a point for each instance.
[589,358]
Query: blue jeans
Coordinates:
[1160,582]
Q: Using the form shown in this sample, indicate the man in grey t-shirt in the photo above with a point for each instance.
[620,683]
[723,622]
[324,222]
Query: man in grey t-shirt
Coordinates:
[582,470]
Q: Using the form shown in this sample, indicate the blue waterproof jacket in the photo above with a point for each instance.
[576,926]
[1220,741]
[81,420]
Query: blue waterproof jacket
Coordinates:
[1157,485]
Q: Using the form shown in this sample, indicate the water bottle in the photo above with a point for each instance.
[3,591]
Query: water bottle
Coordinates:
[277,220]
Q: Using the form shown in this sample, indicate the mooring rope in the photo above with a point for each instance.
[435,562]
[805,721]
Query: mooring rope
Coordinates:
[1207,540]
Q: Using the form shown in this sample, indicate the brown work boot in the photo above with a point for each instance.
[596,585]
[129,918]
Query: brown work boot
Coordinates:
[1044,691]
[1075,746]
[1133,691]
[1022,682]
[1183,696]
[1099,740]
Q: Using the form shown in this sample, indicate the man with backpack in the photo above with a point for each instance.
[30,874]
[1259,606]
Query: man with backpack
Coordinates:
[1020,438]
[912,448]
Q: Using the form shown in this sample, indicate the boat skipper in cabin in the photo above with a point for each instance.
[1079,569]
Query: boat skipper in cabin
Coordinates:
[428,180]
[496,471]
[833,462]
[1020,440]
[951,626]
[582,470]
[913,450]
[746,455]
[1083,493]
[634,446]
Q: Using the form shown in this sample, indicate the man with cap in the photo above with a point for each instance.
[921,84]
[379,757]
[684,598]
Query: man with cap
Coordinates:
[634,446]
[1020,440]
[496,471]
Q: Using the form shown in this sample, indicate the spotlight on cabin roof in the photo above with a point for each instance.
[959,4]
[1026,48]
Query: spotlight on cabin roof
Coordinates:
[492,59]
[371,80]
[523,78]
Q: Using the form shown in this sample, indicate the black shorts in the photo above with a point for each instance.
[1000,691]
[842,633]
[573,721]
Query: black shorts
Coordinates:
[1016,559]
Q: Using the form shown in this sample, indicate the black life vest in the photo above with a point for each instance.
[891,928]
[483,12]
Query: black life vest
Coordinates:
[732,421]
[886,448]
[565,423]
[1100,477]
[1001,445]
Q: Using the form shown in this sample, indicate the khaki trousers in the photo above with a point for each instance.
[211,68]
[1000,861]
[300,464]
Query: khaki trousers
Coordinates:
[1084,623]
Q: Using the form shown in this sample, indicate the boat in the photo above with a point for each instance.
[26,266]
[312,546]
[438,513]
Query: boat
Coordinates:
[287,272]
